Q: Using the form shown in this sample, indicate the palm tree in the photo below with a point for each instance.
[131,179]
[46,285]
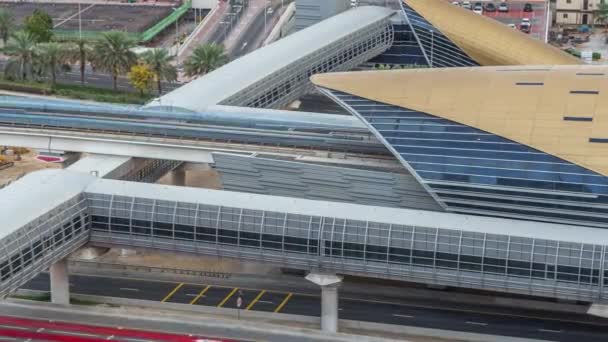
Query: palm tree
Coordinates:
[205,58]
[80,51]
[22,46]
[159,62]
[112,53]
[7,23]
[601,16]
[51,57]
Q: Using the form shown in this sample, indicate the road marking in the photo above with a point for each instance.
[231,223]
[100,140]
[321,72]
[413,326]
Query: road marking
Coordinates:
[227,297]
[403,316]
[550,331]
[110,337]
[128,289]
[266,301]
[172,292]
[13,327]
[476,323]
[202,293]
[433,307]
[71,333]
[255,300]
[287,298]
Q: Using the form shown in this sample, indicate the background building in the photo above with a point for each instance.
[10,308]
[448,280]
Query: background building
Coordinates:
[310,12]
[576,12]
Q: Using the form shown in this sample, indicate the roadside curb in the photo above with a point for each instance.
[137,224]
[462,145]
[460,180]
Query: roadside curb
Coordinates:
[254,319]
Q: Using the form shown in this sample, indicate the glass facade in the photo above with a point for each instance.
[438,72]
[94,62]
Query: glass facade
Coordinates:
[472,171]
[48,238]
[427,254]
[418,43]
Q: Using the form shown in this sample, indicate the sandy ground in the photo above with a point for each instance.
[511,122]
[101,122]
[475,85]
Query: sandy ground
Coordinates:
[28,164]
[152,258]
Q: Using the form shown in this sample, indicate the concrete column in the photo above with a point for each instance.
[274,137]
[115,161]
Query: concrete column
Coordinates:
[60,282]
[178,176]
[329,284]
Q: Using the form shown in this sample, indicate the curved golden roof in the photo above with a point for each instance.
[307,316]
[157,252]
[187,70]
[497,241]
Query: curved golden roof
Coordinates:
[526,104]
[486,40]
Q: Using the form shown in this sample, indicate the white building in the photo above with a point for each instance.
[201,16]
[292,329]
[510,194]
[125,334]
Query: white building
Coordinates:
[576,12]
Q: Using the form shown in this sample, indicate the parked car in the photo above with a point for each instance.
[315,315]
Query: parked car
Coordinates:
[525,25]
[528,7]
[513,26]
[478,8]
[503,7]
[466,4]
[489,7]
[457,3]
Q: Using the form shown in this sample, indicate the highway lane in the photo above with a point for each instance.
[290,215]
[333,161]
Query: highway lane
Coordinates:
[381,310]
[253,37]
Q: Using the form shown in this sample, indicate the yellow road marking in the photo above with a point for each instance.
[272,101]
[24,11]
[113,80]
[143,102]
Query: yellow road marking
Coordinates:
[432,307]
[203,291]
[227,297]
[287,298]
[255,300]
[172,292]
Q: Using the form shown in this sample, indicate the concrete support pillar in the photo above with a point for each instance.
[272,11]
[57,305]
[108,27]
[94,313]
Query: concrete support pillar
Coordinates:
[60,283]
[179,176]
[329,284]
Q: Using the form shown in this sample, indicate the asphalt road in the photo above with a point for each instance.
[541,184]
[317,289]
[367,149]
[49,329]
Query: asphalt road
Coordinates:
[382,310]
[97,79]
[254,36]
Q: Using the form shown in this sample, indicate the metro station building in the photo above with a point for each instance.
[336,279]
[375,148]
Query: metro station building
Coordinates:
[500,182]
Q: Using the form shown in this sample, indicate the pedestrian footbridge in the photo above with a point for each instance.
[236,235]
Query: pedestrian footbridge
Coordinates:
[49,214]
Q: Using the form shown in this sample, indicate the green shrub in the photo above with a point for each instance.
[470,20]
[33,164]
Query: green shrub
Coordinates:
[26,87]
[596,56]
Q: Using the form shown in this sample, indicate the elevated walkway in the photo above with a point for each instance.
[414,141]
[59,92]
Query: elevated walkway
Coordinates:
[282,69]
[53,212]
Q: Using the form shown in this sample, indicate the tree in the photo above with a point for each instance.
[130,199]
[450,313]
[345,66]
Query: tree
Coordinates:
[40,25]
[205,58]
[22,47]
[112,54]
[159,62]
[7,24]
[80,51]
[141,77]
[601,17]
[51,57]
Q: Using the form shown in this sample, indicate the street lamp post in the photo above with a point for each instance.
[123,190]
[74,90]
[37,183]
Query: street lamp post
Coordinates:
[265,14]
[176,38]
[79,22]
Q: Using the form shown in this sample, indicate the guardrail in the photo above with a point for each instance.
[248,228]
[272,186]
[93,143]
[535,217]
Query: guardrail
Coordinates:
[148,269]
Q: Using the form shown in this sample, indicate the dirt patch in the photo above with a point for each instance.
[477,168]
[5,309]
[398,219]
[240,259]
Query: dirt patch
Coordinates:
[95,17]
[27,164]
